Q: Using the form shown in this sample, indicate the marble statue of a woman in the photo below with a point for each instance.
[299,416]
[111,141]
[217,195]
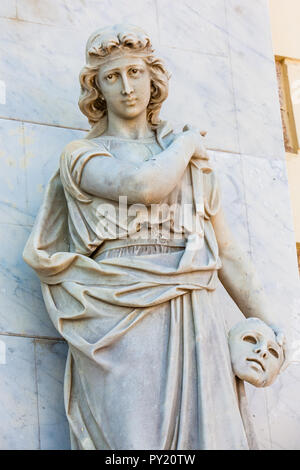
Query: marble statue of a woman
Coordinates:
[130,244]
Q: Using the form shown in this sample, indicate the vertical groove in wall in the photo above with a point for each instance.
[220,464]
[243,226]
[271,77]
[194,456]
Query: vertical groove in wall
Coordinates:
[25,169]
[246,207]
[232,79]
[37,395]
[157,21]
[268,419]
[237,128]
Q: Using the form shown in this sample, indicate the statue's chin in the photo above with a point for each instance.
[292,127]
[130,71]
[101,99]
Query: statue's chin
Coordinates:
[252,377]
[255,381]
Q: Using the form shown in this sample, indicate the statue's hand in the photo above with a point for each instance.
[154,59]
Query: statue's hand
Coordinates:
[197,136]
[279,333]
[281,340]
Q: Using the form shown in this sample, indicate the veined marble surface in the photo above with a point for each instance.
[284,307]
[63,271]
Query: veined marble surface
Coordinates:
[201,87]
[22,309]
[86,15]
[254,78]
[31,405]
[200,26]
[272,240]
[19,418]
[29,155]
[231,80]
[54,428]
[283,412]
[231,177]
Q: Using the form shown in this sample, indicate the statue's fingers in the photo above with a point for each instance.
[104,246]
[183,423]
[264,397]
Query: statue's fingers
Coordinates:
[285,364]
[287,359]
[287,353]
[280,338]
[279,335]
[188,127]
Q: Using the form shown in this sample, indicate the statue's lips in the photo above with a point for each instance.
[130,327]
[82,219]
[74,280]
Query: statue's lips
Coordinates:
[257,362]
[130,101]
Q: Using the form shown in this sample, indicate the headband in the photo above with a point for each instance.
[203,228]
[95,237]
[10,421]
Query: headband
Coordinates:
[113,41]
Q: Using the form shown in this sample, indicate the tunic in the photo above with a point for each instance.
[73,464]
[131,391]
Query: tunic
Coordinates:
[148,364]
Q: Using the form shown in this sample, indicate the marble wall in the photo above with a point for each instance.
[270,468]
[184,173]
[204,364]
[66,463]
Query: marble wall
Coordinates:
[223,80]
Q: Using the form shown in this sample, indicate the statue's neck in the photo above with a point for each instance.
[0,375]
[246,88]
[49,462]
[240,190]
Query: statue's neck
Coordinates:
[136,128]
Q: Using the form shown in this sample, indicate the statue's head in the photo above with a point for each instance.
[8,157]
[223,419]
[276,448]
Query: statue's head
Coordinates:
[110,52]
[256,357]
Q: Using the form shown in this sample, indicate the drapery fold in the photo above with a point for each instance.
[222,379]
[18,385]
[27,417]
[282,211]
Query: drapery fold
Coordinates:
[148,364]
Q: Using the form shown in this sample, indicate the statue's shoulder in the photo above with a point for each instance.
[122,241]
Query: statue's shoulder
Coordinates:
[79,144]
[80,150]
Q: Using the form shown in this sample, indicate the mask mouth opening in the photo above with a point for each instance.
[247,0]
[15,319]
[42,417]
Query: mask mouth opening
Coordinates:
[257,362]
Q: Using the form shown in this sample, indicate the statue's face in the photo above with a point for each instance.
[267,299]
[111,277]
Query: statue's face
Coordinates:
[126,86]
[255,355]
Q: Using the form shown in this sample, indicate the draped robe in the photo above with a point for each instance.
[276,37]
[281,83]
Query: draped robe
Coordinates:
[148,364]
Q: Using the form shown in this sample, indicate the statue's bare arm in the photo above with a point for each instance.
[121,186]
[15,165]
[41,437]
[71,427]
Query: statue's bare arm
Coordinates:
[239,278]
[147,183]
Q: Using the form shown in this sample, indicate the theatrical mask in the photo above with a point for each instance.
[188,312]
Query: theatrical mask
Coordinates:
[256,357]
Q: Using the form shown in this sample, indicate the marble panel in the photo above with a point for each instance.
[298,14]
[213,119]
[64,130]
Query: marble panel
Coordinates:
[34,46]
[259,413]
[256,397]
[29,155]
[196,25]
[41,73]
[22,309]
[274,255]
[201,95]
[49,60]
[8,8]
[265,222]
[284,409]
[13,201]
[272,239]
[254,78]
[88,15]
[18,405]
[231,178]
[54,428]
[42,147]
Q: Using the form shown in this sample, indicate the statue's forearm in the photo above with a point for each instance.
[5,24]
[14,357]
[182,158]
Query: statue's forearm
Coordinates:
[162,173]
[241,282]
[147,183]
[238,275]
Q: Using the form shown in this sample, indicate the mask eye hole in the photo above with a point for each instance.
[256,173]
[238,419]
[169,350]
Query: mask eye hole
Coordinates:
[250,339]
[274,353]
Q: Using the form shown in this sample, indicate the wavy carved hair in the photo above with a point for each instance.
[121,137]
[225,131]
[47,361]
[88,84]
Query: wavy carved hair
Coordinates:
[99,46]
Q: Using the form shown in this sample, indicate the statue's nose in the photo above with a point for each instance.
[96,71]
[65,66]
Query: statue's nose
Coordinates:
[261,351]
[127,88]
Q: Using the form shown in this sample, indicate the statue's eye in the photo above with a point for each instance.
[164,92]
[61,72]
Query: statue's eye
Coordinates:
[250,339]
[135,71]
[274,353]
[110,76]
